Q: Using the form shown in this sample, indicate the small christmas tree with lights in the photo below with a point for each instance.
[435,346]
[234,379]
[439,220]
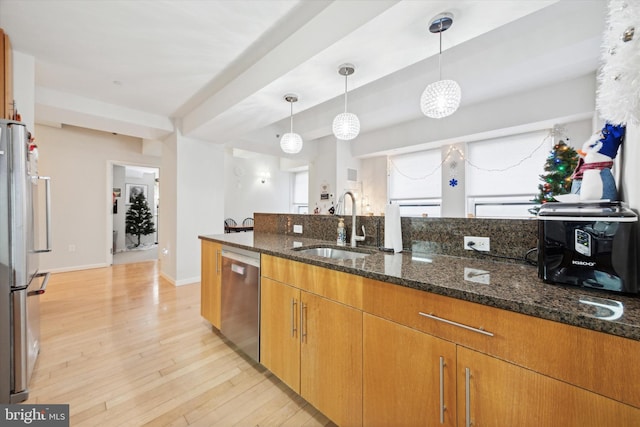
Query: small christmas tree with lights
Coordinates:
[559,167]
[139,220]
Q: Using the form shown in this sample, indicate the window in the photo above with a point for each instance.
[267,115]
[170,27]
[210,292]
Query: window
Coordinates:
[300,192]
[415,182]
[502,174]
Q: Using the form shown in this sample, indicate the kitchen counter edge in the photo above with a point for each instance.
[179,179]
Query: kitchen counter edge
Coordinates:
[560,306]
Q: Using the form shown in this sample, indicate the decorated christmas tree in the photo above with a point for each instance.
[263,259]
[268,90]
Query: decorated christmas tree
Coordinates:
[139,221]
[558,168]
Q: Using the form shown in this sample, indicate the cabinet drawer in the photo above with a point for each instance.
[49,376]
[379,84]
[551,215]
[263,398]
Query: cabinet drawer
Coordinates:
[593,360]
[334,285]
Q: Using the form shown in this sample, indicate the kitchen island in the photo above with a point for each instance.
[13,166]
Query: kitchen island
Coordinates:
[511,349]
[514,287]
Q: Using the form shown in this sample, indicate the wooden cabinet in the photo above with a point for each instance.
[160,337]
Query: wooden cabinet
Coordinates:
[280,331]
[409,377]
[365,352]
[591,360]
[511,369]
[210,281]
[492,392]
[6,77]
[312,343]
[331,358]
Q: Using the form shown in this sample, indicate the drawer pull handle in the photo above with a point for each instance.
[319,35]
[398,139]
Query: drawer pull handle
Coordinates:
[460,325]
[293,317]
[303,326]
[467,396]
[442,407]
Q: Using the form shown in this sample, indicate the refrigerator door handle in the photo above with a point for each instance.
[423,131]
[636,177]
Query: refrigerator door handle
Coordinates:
[43,287]
[47,181]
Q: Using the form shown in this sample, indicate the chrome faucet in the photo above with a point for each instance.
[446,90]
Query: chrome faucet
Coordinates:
[354,236]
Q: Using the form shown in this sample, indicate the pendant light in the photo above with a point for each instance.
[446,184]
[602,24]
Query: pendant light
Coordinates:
[346,126]
[291,143]
[442,98]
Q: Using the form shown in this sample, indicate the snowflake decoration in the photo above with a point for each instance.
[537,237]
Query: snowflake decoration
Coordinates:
[453,182]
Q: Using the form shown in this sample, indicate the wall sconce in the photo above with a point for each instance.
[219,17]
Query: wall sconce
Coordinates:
[264,177]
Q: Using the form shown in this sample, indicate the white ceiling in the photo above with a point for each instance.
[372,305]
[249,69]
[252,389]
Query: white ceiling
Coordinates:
[218,69]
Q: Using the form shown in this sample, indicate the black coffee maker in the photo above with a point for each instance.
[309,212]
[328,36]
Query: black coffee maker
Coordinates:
[588,244]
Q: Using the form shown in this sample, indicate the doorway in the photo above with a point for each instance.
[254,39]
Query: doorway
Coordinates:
[128,182]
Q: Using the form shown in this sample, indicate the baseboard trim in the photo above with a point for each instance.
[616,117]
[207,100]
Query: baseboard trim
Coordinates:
[76,268]
[188,281]
[181,282]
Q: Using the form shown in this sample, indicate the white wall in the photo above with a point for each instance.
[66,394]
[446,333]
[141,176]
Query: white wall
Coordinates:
[373,173]
[78,162]
[245,193]
[24,87]
[168,218]
[345,162]
[192,204]
[323,171]
[453,167]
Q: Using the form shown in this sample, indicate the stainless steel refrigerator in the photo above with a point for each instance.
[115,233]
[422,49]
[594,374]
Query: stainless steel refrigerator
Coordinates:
[21,282]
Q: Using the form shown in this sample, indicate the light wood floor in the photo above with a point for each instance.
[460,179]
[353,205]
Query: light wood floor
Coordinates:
[124,347]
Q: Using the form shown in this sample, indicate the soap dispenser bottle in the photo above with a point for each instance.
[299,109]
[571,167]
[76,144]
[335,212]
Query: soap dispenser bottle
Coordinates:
[342,233]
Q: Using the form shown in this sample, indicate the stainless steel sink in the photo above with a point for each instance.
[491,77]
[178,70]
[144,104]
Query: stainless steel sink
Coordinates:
[333,253]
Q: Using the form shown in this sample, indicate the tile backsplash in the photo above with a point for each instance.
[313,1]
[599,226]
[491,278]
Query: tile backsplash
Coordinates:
[509,237]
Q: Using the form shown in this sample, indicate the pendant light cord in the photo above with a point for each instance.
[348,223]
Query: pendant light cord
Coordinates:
[345,92]
[440,55]
[291,115]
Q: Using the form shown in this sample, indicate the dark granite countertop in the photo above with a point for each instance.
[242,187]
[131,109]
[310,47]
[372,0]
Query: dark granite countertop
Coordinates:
[514,287]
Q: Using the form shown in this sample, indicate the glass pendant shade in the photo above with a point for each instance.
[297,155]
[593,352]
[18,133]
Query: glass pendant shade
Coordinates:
[346,126]
[291,143]
[441,99]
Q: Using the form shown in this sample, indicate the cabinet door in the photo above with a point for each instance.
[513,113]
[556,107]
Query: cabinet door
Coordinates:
[211,274]
[331,359]
[280,331]
[492,392]
[409,377]
[6,77]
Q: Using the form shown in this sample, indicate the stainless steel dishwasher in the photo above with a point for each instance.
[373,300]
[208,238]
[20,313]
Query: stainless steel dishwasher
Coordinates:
[240,294]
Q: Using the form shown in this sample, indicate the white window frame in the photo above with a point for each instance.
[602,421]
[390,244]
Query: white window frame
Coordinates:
[298,206]
[503,200]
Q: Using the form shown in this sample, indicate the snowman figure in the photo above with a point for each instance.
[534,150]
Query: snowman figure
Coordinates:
[593,179]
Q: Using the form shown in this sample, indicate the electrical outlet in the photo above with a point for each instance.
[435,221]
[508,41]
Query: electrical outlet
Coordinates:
[297,228]
[480,243]
[476,276]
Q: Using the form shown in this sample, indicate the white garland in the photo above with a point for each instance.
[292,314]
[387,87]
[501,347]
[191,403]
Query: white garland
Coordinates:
[618,95]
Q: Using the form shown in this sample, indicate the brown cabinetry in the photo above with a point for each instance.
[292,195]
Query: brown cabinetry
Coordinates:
[280,331]
[311,342]
[365,352]
[210,281]
[409,377]
[6,77]
[511,369]
[492,392]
